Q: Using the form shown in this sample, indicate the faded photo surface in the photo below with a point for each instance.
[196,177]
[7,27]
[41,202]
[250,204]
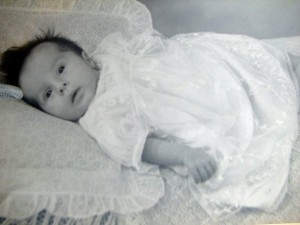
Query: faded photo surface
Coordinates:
[191,118]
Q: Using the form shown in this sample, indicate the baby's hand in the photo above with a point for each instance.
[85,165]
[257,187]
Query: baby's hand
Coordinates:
[200,164]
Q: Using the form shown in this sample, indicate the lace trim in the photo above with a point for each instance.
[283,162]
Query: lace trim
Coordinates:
[138,15]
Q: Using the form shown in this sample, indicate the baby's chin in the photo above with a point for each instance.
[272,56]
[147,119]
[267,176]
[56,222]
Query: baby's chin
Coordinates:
[75,113]
[85,106]
[80,113]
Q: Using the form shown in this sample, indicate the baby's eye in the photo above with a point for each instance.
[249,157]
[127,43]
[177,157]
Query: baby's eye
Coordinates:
[48,93]
[61,69]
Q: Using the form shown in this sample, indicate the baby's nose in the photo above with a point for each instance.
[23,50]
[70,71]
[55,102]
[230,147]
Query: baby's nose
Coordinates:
[62,88]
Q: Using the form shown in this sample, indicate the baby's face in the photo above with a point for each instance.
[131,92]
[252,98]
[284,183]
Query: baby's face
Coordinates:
[61,82]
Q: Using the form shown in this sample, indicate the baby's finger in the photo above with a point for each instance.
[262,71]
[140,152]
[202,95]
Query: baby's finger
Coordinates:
[210,170]
[196,176]
[213,165]
[203,174]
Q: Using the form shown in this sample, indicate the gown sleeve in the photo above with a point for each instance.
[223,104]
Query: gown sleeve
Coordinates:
[114,124]
[112,118]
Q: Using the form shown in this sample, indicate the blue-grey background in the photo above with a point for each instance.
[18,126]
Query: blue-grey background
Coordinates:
[258,18]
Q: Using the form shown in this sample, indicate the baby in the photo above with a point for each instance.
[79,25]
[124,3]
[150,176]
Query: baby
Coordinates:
[57,77]
[192,100]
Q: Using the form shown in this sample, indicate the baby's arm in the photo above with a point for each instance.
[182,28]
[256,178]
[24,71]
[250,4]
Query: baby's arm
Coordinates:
[163,153]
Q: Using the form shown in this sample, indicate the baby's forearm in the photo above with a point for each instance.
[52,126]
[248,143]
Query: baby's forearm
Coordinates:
[199,163]
[163,153]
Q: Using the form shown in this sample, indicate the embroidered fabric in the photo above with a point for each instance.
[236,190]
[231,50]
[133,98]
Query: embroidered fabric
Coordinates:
[188,211]
[231,93]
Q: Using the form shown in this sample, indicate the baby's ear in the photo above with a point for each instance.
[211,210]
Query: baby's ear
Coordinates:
[90,61]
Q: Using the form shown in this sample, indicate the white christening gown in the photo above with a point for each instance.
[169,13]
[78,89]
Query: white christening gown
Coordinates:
[232,93]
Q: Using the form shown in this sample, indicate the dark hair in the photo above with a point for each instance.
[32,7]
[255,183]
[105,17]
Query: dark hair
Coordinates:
[12,60]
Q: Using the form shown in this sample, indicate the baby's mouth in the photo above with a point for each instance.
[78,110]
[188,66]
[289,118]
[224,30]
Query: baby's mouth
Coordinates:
[75,95]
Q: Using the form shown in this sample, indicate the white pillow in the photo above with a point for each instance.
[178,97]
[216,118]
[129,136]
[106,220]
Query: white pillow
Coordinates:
[48,163]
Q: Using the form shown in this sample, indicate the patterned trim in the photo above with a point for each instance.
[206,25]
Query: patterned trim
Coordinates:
[9,91]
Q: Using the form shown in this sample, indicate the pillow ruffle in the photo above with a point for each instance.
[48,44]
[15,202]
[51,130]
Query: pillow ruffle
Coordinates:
[140,192]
